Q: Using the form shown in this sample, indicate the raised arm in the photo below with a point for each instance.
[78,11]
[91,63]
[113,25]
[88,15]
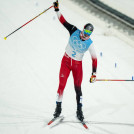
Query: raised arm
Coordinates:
[68,26]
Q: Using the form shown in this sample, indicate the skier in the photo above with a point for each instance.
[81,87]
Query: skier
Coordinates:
[79,43]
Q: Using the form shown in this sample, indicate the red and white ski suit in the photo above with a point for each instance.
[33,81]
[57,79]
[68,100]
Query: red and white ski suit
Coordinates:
[72,61]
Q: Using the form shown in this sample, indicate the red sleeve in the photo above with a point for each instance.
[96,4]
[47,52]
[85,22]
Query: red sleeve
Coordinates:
[68,26]
[94,58]
[62,19]
[94,64]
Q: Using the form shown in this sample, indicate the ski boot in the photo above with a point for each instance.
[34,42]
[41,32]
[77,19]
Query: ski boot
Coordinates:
[79,113]
[57,110]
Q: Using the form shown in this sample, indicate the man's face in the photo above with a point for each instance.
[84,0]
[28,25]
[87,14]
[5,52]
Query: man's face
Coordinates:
[85,34]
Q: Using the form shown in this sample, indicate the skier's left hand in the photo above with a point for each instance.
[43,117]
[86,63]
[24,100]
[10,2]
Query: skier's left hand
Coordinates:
[93,78]
[56,6]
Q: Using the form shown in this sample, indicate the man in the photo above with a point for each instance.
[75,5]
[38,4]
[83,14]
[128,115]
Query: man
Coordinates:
[78,44]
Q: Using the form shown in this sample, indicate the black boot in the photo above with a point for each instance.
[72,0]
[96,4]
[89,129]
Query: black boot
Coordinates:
[79,113]
[57,110]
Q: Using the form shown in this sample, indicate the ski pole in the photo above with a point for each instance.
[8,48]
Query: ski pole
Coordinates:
[112,80]
[27,22]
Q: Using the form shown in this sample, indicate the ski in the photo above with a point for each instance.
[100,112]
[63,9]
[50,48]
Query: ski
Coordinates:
[61,117]
[54,119]
[84,124]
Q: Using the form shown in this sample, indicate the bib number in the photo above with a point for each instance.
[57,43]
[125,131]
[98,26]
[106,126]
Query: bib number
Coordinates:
[74,53]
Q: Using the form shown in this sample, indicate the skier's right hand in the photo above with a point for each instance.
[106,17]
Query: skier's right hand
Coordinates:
[56,6]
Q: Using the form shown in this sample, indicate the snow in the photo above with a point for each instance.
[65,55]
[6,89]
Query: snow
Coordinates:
[29,67]
[126,7]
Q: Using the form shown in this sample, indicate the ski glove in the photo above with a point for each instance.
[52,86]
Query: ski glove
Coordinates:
[93,78]
[56,6]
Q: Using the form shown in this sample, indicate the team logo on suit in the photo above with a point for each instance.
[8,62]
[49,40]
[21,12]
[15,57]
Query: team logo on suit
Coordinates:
[78,45]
